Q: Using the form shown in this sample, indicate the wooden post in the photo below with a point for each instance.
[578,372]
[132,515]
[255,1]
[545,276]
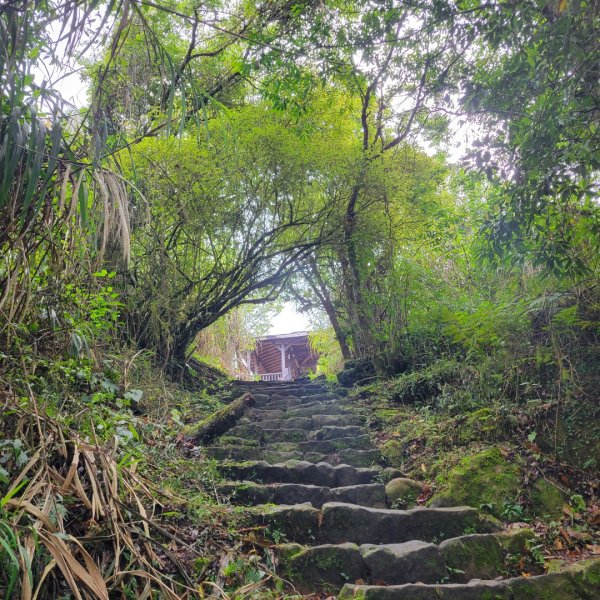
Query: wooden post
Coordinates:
[282,360]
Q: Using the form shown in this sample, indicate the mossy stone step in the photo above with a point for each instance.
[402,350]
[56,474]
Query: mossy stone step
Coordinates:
[273,457]
[337,523]
[310,423]
[327,420]
[252,431]
[475,590]
[232,440]
[294,403]
[397,564]
[482,556]
[323,397]
[257,430]
[319,568]
[277,385]
[313,568]
[359,442]
[289,423]
[333,432]
[238,453]
[289,390]
[318,408]
[406,562]
[580,581]
[322,474]
[251,493]
[356,458]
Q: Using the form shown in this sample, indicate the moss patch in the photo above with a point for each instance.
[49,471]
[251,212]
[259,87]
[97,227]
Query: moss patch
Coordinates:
[483,478]
[393,452]
[547,499]
[473,556]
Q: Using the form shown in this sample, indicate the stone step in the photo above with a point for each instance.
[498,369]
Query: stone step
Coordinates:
[278,384]
[256,430]
[359,442]
[337,523]
[349,456]
[326,397]
[273,457]
[250,493]
[310,423]
[237,453]
[231,440]
[401,563]
[253,431]
[260,414]
[355,458]
[322,474]
[293,403]
[334,432]
[327,420]
[283,390]
[326,567]
[289,423]
[580,581]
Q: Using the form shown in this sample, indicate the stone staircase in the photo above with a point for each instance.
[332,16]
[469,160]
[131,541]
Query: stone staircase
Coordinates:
[307,467]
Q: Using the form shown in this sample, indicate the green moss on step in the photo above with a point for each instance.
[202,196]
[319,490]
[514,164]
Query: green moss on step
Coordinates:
[546,499]
[471,557]
[393,452]
[483,478]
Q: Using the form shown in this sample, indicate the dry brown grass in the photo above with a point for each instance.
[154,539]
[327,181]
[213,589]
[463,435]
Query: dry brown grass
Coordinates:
[74,515]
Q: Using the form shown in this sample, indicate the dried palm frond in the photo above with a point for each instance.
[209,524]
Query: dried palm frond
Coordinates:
[114,505]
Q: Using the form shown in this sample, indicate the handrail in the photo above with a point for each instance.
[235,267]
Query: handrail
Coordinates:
[271,376]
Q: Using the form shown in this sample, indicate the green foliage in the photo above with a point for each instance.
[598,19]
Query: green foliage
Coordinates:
[540,134]
[324,343]
[424,384]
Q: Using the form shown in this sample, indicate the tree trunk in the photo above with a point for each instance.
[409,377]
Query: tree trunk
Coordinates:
[324,296]
[220,421]
[364,343]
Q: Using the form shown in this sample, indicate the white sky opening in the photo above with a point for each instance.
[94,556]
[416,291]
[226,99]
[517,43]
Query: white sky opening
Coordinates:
[289,320]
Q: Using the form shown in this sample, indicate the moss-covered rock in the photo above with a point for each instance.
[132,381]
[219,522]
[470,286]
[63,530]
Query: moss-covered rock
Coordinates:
[393,452]
[586,575]
[356,371]
[402,492]
[322,567]
[479,425]
[483,478]
[482,556]
[515,542]
[546,499]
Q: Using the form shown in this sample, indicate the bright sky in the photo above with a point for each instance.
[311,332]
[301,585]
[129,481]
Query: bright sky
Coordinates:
[289,320]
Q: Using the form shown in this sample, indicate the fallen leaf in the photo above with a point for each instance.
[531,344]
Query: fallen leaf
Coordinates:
[565,534]
[558,544]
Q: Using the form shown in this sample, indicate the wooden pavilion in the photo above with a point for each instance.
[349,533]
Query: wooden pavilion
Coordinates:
[279,357]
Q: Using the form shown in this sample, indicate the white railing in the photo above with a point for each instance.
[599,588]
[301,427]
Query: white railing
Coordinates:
[270,376]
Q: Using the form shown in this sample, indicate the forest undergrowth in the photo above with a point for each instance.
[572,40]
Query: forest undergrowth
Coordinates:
[109,497]
[226,156]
